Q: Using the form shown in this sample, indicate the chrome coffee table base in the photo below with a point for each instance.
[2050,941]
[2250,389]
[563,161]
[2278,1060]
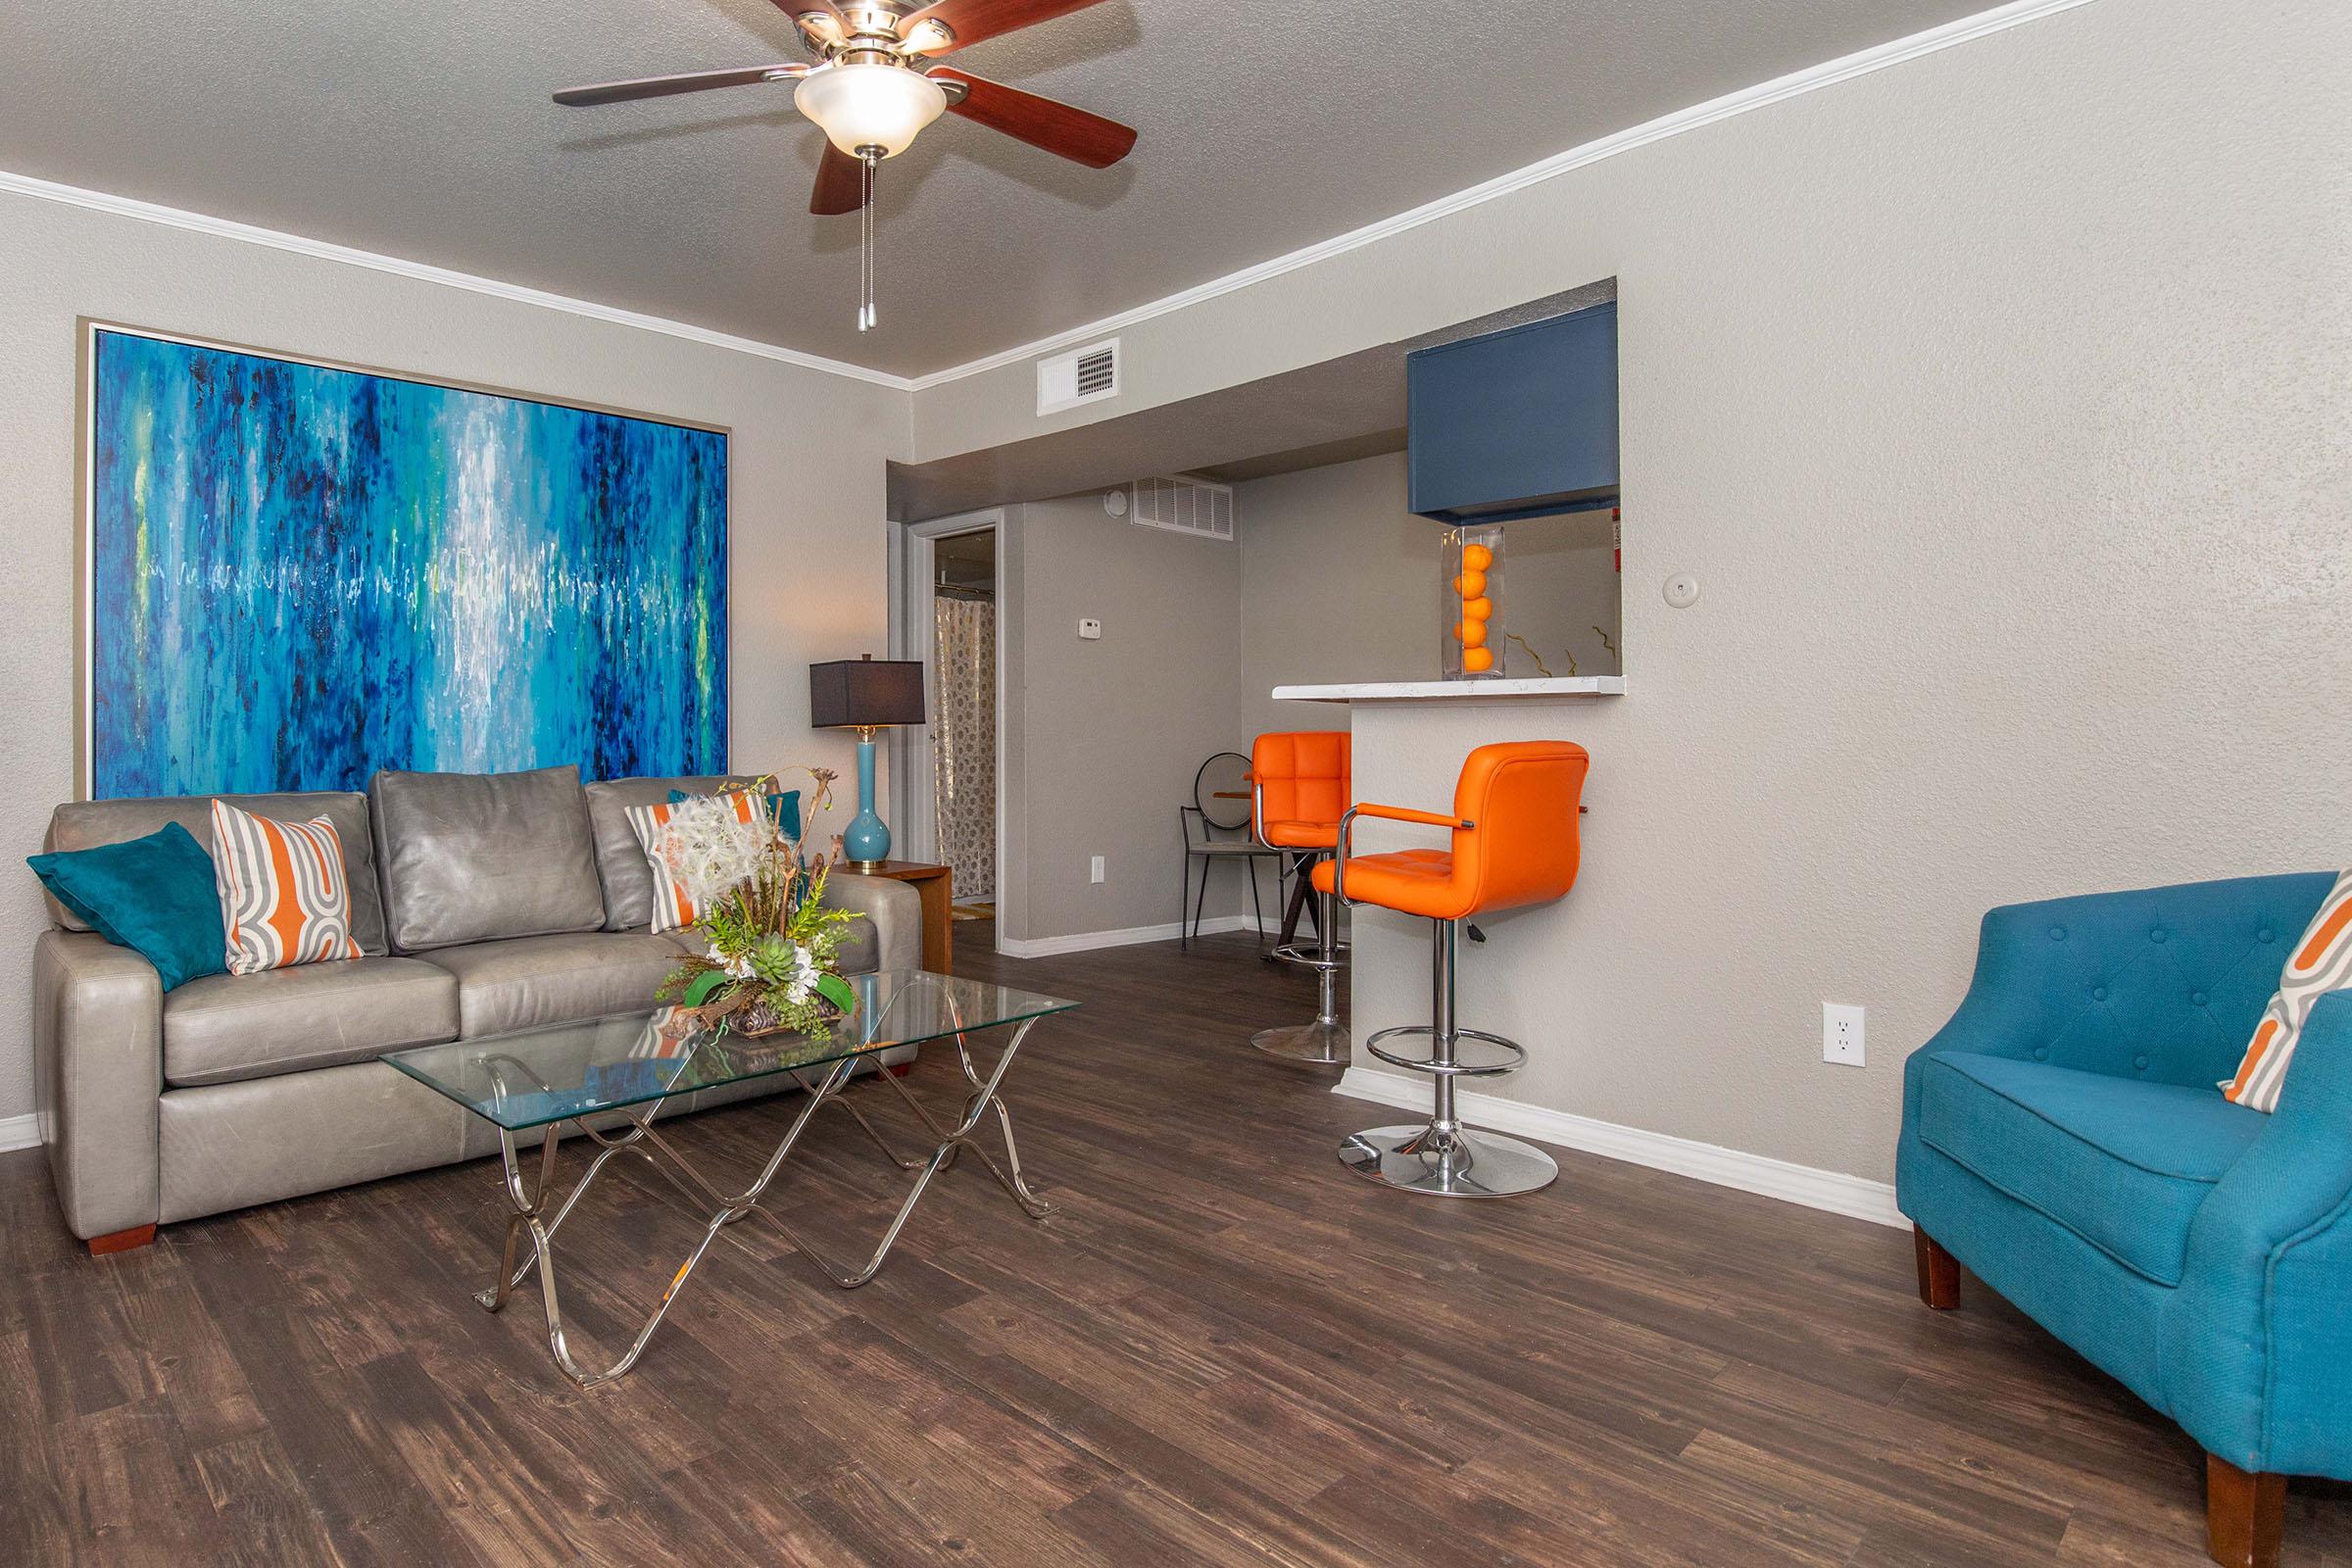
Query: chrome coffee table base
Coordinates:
[1449,1163]
[1323,1042]
[637,1135]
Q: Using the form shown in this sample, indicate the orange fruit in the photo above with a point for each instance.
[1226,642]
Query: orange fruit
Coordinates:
[1477,608]
[1471,634]
[1477,661]
[1476,558]
[1470,584]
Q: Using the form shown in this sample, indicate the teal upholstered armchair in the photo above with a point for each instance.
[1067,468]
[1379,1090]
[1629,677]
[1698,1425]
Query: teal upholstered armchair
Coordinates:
[2063,1136]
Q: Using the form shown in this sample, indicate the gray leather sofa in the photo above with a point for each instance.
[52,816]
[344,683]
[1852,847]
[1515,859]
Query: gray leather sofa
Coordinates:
[481,904]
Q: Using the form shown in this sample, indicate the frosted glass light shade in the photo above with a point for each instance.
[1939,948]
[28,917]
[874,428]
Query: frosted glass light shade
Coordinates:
[869,105]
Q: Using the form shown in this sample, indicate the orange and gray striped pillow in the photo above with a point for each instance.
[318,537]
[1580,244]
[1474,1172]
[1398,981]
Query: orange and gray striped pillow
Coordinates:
[673,911]
[2320,963]
[283,897]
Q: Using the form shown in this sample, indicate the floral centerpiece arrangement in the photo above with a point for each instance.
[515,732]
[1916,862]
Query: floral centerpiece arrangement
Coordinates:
[772,960]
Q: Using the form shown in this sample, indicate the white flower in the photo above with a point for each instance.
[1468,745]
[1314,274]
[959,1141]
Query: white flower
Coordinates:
[805,974]
[709,850]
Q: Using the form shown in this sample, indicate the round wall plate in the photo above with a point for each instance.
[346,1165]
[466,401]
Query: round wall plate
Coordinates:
[1682,590]
[1114,502]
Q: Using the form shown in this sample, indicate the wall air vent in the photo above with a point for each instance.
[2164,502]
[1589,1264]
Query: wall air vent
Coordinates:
[1184,505]
[1082,376]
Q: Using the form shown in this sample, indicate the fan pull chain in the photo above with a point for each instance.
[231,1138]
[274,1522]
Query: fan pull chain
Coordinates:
[865,249]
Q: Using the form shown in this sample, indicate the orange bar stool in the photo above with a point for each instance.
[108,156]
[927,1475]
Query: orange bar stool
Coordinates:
[1514,827]
[1298,784]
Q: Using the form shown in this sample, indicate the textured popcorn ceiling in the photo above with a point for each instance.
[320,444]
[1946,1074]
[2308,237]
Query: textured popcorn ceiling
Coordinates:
[422,130]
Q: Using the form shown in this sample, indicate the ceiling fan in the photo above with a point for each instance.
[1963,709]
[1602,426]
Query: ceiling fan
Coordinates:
[871,89]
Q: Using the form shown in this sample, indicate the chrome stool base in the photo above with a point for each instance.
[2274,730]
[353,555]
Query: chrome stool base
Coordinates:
[1456,1164]
[1323,1045]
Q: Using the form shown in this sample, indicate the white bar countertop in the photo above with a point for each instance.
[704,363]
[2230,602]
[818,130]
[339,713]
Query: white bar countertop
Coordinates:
[1456,691]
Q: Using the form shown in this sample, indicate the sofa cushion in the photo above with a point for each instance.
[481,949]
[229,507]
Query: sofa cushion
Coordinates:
[628,882]
[527,981]
[82,825]
[481,856]
[228,1027]
[2122,1162]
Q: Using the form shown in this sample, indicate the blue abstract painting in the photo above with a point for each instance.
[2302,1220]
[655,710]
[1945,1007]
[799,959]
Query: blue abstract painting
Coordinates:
[299,575]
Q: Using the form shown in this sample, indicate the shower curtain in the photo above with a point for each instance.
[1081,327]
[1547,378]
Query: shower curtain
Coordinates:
[963,740]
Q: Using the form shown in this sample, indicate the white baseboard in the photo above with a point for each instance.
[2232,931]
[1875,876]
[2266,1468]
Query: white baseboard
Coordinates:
[1087,941]
[1833,1191]
[19,1131]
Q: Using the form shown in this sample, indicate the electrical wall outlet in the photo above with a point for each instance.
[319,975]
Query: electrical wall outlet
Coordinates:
[1094,870]
[1841,1034]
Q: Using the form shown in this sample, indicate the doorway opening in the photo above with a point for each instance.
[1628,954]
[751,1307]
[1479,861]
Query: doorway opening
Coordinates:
[947,775]
[964,723]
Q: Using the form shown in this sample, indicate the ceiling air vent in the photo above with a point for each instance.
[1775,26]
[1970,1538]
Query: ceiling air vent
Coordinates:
[1183,505]
[1082,376]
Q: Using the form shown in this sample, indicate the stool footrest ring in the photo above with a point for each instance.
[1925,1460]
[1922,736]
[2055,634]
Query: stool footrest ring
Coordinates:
[1508,1058]
[1306,957]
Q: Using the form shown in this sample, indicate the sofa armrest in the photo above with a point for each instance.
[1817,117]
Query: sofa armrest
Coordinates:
[98,1065]
[895,909]
[2259,1333]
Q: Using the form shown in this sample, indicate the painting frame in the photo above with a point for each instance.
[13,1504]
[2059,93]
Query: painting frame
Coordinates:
[88,331]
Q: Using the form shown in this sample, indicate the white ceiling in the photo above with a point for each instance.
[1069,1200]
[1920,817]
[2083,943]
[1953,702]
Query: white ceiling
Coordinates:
[421,128]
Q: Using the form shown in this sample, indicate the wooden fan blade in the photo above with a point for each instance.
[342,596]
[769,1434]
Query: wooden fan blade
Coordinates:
[974,20]
[840,185]
[1057,128]
[613,92]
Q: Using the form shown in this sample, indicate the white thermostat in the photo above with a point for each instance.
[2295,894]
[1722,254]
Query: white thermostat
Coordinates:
[1089,628]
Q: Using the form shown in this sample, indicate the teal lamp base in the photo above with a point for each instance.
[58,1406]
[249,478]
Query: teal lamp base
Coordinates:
[865,841]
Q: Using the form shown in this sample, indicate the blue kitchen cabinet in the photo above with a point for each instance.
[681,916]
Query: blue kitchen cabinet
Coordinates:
[1516,424]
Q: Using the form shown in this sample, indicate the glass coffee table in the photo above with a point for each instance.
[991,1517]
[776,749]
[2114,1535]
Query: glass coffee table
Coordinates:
[611,1078]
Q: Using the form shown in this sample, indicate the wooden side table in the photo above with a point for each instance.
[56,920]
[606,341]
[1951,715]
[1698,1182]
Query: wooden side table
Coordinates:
[936,883]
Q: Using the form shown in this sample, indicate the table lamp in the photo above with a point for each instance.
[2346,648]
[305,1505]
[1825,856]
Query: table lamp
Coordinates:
[866,693]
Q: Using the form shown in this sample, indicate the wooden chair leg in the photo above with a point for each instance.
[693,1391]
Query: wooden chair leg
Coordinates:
[1938,1272]
[2245,1515]
[121,1241]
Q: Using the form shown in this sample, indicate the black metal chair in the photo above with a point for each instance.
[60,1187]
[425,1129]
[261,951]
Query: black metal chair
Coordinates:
[1220,806]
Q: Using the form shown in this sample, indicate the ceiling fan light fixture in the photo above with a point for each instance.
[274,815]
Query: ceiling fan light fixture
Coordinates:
[863,104]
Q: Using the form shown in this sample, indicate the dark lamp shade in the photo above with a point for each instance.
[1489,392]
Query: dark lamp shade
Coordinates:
[852,693]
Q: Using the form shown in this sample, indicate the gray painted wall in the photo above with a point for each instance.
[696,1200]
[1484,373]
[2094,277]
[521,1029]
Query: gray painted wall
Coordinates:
[808,540]
[1111,732]
[1997,400]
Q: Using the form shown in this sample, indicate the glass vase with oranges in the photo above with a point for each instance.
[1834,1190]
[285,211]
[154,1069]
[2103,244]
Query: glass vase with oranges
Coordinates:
[1470,602]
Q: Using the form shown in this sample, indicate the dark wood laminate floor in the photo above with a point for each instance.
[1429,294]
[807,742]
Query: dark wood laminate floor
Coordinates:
[1221,1350]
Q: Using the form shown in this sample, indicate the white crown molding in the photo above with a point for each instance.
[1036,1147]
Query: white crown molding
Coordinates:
[1088,940]
[1854,1197]
[50,191]
[19,1131]
[1762,95]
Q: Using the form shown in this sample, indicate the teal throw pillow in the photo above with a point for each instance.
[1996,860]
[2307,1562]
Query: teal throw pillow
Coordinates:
[155,896]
